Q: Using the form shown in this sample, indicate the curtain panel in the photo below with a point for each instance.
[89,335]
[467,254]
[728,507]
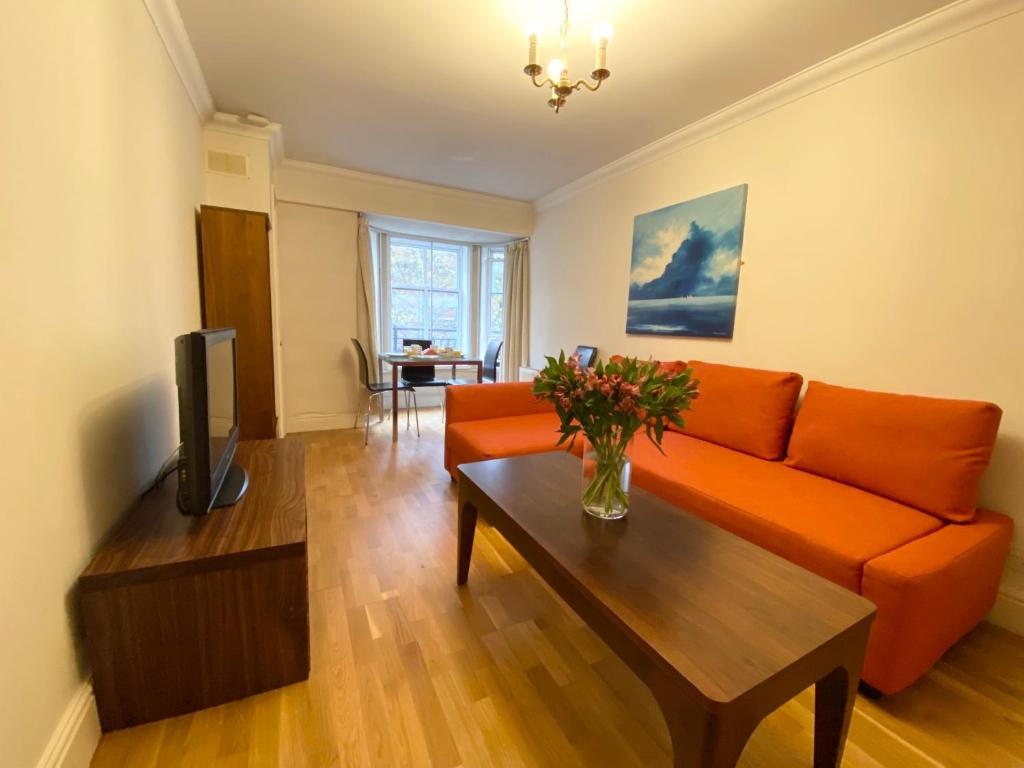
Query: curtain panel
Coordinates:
[366,297]
[516,330]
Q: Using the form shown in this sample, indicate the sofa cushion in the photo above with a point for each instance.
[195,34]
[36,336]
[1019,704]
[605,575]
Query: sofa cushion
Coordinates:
[923,451]
[467,441]
[824,526]
[747,409]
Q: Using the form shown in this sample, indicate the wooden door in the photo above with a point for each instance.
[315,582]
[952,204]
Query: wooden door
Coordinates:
[236,293]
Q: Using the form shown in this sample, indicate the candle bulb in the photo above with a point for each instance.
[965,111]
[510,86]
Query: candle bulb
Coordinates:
[533,33]
[602,34]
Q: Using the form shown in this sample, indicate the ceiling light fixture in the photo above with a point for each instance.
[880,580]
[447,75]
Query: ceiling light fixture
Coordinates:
[558,70]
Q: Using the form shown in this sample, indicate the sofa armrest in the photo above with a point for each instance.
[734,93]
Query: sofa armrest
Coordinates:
[472,402]
[930,593]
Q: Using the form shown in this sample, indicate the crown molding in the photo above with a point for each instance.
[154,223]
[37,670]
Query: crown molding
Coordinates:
[407,184]
[941,24]
[272,133]
[171,29]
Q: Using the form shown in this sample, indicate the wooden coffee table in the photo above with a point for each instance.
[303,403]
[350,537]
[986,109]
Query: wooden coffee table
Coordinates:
[722,631]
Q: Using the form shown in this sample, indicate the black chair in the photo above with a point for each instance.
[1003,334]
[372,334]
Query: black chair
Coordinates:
[490,372]
[376,390]
[423,375]
[588,355]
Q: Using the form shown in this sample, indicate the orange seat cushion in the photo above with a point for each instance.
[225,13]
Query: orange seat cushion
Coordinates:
[497,438]
[743,408]
[927,452]
[824,526]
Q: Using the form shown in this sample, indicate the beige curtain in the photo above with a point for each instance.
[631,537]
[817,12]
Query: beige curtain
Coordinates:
[366,297]
[516,331]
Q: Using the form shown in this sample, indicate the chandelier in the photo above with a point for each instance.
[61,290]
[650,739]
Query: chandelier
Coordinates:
[558,70]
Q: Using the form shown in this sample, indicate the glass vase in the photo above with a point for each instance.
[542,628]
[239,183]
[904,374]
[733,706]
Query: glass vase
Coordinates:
[605,481]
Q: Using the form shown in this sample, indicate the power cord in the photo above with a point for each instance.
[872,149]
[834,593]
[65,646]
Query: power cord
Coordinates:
[166,469]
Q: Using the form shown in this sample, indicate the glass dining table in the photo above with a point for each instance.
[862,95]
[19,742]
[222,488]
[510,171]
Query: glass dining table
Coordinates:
[399,360]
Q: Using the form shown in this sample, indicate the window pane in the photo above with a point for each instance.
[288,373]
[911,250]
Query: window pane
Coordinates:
[409,266]
[447,339]
[446,275]
[446,312]
[408,308]
[498,277]
[497,316]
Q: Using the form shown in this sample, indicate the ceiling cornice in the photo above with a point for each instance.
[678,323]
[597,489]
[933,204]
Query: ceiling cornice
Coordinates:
[397,183]
[941,24]
[171,29]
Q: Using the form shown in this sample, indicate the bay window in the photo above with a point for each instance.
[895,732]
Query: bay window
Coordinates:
[450,293]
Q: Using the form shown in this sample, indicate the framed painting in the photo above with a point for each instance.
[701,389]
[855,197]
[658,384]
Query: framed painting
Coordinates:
[685,269]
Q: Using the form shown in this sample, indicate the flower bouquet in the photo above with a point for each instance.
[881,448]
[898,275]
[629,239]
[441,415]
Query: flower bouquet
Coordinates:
[609,404]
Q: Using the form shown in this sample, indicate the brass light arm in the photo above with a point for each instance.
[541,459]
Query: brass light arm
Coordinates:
[586,84]
[547,82]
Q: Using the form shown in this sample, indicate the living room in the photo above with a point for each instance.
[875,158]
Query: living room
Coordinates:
[833,189]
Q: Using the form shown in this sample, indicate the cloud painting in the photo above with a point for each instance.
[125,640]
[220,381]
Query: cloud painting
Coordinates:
[685,271]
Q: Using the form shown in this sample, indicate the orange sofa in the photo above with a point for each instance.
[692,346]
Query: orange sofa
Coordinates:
[873,491]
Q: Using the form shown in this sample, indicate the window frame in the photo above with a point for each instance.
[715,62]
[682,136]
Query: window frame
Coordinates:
[462,290]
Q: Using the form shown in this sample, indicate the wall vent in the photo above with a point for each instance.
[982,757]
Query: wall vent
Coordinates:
[227,162]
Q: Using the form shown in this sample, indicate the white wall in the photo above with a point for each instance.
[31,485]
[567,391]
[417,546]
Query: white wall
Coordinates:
[884,240]
[99,184]
[317,265]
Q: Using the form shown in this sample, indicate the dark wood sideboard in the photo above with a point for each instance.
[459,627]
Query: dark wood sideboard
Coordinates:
[183,613]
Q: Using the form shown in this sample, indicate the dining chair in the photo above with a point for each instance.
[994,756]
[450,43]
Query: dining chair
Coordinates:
[423,375]
[376,391]
[490,372]
[588,355]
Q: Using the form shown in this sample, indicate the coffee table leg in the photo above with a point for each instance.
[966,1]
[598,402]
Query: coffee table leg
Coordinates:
[701,739]
[834,697]
[467,531]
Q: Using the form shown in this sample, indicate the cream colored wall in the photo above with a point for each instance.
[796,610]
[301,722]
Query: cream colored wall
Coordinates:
[884,240]
[317,248]
[99,184]
[323,185]
[251,192]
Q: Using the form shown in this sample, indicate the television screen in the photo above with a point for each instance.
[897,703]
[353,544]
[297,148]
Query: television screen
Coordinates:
[208,417]
[220,387]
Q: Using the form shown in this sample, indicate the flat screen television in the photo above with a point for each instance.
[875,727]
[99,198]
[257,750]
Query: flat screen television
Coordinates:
[205,363]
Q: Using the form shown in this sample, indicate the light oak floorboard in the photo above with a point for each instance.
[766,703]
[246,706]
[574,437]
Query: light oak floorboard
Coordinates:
[408,670]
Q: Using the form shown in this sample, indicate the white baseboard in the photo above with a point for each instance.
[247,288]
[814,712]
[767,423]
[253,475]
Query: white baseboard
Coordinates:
[318,422]
[1008,611]
[77,733]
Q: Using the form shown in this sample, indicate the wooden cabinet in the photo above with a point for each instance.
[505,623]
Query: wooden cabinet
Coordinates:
[183,613]
[235,259]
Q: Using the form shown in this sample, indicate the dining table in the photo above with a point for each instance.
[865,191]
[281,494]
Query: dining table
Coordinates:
[399,360]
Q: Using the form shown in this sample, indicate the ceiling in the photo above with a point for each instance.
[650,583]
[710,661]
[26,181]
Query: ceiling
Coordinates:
[433,90]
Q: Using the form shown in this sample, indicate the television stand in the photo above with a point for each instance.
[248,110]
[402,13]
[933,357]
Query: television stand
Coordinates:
[183,613]
[236,483]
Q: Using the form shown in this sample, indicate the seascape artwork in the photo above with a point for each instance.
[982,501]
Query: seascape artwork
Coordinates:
[685,270]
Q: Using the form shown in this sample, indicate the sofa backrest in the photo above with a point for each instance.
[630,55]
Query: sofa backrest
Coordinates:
[926,452]
[473,402]
[746,409]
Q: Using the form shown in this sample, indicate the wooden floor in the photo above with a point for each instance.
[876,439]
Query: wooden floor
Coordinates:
[408,670]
